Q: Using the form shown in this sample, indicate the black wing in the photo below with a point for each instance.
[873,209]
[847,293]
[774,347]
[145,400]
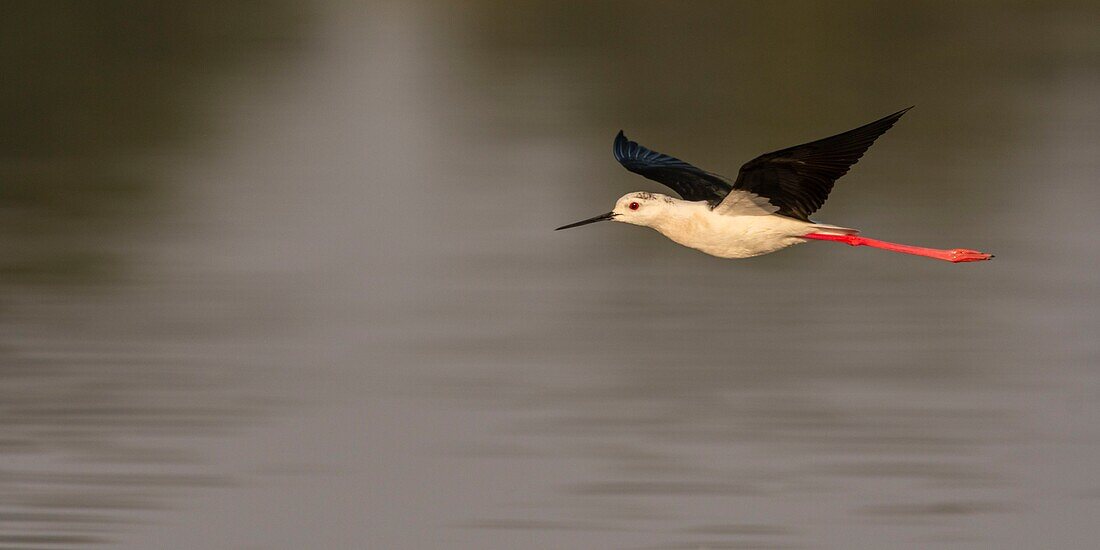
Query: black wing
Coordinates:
[798,179]
[690,182]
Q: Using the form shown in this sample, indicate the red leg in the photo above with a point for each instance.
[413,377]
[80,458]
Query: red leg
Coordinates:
[954,255]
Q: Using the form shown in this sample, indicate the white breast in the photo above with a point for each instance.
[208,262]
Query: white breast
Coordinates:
[695,225]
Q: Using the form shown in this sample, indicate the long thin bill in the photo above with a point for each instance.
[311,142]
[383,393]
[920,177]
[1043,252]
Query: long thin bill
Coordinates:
[600,218]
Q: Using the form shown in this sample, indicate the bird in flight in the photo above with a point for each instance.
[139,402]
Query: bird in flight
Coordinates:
[767,208]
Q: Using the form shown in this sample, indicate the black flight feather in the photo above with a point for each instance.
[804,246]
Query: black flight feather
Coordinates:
[690,182]
[798,179]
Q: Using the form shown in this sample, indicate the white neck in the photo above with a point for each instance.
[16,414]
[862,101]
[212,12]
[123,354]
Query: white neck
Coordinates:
[679,216]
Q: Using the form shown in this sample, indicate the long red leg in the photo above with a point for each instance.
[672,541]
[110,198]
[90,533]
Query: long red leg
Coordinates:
[954,255]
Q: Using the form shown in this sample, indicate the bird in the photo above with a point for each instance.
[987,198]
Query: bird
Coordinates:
[765,209]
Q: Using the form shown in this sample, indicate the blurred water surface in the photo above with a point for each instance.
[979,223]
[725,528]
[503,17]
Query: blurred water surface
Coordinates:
[281,275]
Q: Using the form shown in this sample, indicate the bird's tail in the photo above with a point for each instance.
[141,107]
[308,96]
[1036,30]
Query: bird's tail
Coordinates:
[827,229]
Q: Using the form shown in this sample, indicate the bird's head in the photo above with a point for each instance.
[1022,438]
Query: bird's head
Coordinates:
[639,208]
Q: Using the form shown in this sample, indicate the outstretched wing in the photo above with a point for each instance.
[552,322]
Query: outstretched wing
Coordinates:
[690,182]
[798,179]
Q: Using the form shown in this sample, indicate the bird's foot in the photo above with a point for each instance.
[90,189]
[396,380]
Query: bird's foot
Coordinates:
[957,255]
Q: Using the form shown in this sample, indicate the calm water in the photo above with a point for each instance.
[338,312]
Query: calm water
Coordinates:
[283,276]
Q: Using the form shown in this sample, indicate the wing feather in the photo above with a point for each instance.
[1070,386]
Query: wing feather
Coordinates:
[744,203]
[798,179]
[690,182]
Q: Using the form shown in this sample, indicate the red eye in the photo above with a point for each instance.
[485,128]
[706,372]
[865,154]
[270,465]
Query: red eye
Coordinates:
[633,206]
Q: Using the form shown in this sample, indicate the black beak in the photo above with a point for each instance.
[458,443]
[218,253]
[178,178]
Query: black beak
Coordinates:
[600,218]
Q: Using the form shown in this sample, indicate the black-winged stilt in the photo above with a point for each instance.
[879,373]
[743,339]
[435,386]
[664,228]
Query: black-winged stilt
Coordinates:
[765,209]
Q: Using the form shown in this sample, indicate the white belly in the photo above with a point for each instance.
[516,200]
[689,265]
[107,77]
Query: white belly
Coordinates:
[737,236]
